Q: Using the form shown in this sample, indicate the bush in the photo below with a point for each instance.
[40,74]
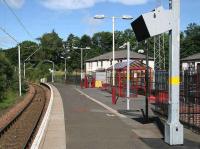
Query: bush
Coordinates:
[6,75]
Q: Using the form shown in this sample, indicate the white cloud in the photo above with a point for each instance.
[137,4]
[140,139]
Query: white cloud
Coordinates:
[80,4]
[15,3]
[92,24]
[130,2]
[69,4]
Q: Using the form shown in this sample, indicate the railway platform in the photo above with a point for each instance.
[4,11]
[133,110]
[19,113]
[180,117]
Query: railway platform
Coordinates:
[52,136]
[151,133]
[86,119]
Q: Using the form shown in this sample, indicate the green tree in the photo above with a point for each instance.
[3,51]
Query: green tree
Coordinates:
[6,74]
[102,42]
[27,48]
[74,61]
[51,46]
[190,40]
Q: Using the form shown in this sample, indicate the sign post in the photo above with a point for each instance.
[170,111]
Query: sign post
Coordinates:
[173,128]
[154,23]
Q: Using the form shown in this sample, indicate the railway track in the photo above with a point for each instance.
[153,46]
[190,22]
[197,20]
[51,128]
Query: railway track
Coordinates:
[19,132]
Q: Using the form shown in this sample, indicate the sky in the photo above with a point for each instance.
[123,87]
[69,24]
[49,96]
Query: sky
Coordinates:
[76,16]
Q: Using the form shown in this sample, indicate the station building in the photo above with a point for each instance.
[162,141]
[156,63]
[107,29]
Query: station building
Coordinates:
[103,62]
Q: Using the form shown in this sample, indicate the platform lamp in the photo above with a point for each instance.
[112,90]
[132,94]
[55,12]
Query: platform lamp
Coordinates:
[78,48]
[124,17]
[65,59]
[52,71]
[127,45]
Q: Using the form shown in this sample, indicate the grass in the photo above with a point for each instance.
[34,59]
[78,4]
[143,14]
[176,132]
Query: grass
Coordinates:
[9,100]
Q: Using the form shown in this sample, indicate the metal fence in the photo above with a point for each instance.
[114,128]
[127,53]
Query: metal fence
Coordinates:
[189,97]
[70,79]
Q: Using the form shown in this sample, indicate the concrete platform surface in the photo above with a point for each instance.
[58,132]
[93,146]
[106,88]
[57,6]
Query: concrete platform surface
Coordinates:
[91,126]
[151,133]
[55,137]
[92,122]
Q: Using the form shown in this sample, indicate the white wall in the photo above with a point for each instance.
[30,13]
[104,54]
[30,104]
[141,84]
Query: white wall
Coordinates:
[92,66]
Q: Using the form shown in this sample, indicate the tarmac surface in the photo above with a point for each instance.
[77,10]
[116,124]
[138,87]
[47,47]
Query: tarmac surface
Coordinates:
[91,125]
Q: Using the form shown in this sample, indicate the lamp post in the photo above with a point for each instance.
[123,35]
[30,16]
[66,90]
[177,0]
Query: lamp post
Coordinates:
[78,48]
[26,60]
[125,17]
[65,59]
[53,67]
[128,74]
[66,51]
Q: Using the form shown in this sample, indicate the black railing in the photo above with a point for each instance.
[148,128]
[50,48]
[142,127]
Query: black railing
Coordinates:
[189,97]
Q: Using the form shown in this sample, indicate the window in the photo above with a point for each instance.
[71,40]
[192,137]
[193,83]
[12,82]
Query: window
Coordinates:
[97,63]
[101,64]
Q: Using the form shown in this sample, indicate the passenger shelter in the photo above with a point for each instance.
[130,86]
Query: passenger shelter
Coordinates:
[137,78]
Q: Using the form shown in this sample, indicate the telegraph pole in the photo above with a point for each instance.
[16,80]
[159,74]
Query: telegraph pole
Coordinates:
[173,128]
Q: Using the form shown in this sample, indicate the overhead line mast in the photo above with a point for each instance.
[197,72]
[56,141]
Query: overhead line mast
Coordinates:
[159,48]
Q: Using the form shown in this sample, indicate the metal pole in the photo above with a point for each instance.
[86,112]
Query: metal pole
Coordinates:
[147,82]
[113,31]
[65,71]
[53,73]
[19,71]
[113,63]
[128,75]
[24,70]
[173,128]
[81,63]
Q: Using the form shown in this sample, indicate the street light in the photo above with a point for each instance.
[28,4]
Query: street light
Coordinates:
[125,17]
[28,59]
[78,48]
[53,66]
[128,73]
[65,58]
[66,51]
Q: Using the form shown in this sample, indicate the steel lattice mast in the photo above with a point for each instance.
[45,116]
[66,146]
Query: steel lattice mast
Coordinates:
[159,52]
